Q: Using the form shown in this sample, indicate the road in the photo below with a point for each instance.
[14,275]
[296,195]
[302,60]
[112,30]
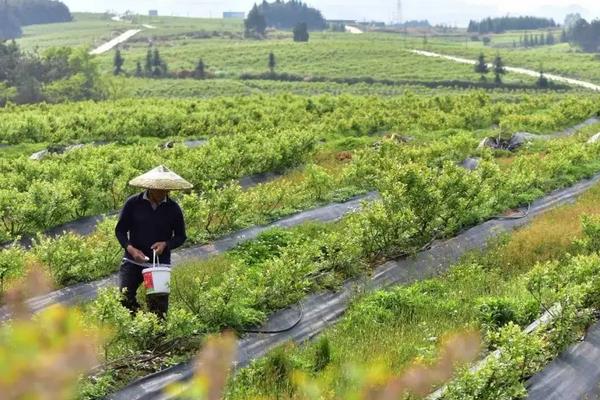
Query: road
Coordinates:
[114,42]
[353,29]
[516,70]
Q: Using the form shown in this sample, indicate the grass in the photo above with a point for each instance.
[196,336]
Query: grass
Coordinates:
[549,236]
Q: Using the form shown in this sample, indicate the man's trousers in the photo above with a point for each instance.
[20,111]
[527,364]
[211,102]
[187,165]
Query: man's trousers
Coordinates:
[130,278]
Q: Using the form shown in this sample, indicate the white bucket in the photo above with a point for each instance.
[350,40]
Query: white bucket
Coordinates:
[156,279]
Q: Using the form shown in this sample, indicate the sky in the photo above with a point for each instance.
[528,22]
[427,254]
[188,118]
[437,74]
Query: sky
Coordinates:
[456,13]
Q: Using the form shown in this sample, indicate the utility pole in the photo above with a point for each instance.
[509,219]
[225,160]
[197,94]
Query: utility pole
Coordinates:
[399,12]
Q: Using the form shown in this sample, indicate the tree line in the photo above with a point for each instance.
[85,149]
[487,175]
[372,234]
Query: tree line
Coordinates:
[283,15]
[502,24]
[499,70]
[534,40]
[58,74]
[155,67]
[585,35]
[17,13]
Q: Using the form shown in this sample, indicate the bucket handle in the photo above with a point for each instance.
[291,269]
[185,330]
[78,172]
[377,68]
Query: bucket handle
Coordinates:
[154,258]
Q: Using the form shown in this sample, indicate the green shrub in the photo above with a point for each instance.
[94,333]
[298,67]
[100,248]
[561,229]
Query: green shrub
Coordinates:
[12,264]
[494,312]
[318,182]
[266,246]
[219,293]
[72,258]
[145,330]
[590,242]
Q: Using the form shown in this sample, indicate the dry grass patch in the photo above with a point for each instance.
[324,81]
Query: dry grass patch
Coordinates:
[548,236]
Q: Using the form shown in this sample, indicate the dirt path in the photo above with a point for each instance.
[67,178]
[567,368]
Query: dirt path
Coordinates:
[116,41]
[516,70]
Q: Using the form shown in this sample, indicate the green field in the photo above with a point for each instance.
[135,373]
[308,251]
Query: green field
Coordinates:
[86,30]
[339,116]
[333,55]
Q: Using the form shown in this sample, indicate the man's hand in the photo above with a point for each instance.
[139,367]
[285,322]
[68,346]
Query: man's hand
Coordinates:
[136,254]
[159,247]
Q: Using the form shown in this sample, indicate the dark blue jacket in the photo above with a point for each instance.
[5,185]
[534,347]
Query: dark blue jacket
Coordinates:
[141,226]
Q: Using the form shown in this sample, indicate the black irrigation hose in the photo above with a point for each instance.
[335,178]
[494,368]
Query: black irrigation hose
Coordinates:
[295,324]
[301,309]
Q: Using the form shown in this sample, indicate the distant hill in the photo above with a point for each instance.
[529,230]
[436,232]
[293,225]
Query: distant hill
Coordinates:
[17,13]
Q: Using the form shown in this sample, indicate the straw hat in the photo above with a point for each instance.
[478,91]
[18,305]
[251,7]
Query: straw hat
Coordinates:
[161,178]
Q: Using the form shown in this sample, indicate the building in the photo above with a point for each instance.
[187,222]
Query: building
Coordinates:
[153,13]
[341,21]
[234,15]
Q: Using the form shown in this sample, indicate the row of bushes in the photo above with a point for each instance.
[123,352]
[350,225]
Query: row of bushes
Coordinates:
[215,211]
[385,331]
[326,114]
[418,201]
[93,180]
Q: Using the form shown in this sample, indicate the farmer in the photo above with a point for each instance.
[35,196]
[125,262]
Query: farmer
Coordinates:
[149,222]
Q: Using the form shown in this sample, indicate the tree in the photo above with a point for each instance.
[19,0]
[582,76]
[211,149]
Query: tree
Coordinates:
[272,62]
[542,81]
[138,69]
[288,14]
[563,36]
[29,90]
[255,24]
[301,32]
[481,67]
[499,69]
[118,62]
[159,66]
[156,60]
[14,14]
[10,27]
[571,20]
[199,72]
[586,35]
[57,74]
[148,64]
